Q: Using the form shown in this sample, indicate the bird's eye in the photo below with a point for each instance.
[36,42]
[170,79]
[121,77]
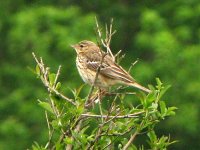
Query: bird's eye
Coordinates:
[81,45]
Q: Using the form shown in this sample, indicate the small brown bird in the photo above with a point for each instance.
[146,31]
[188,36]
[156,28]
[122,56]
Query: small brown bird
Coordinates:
[89,58]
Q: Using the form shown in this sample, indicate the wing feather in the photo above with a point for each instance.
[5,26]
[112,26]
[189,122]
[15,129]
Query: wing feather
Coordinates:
[111,71]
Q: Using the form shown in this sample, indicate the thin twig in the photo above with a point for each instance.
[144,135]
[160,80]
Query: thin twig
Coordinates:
[98,134]
[118,53]
[106,42]
[45,80]
[95,79]
[119,59]
[139,128]
[57,75]
[130,140]
[118,135]
[134,115]
[100,107]
[63,96]
[133,64]
[126,93]
[50,132]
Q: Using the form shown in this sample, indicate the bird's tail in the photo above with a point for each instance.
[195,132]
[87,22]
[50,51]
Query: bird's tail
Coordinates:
[134,84]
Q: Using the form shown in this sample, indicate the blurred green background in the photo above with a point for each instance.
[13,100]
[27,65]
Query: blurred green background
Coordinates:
[164,35]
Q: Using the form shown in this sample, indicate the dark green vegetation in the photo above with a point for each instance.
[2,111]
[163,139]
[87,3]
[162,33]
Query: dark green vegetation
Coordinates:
[164,36]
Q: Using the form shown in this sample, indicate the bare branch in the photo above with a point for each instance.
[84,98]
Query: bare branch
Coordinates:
[130,140]
[95,79]
[57,75]
[118,53]
[134,115]
[44,78]
[49,128]
[133,64]
[116,134]
[106,42]
[100,107]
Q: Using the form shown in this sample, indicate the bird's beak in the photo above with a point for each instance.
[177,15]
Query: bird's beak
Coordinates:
[73,46]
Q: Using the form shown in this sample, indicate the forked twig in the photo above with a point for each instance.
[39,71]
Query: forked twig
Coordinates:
[133,64]
[106,42]
[45,79]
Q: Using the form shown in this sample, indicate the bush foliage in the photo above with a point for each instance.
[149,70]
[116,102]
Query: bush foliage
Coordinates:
[110,124]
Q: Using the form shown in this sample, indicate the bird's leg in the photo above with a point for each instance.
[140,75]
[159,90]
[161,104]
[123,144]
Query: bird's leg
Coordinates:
[99,102]
[101,93]
[96,97]
[91,100]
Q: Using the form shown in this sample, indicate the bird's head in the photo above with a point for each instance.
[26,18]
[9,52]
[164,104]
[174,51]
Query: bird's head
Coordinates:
[83,46]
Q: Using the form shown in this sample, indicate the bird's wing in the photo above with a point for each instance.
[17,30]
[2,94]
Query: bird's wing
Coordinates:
[110,69]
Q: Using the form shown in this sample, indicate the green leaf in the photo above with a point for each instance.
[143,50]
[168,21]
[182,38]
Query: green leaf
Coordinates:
[163,139]
[90,138]
[163,108]
[143,99]
[33,70]
[80,109]
[57,123]
[151,97]
[159,84]
[46,106]
[141,147]
[164,90]
[36,146]
[135,110]
[120,146]
[58,86]
[68,140]
[152,136]
[170,111]
[52,77]
[37,70]
[59,146]
[79,89]
[154,106]
[151,87]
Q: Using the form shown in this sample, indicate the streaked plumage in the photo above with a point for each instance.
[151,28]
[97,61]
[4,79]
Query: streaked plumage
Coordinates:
[88,61]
